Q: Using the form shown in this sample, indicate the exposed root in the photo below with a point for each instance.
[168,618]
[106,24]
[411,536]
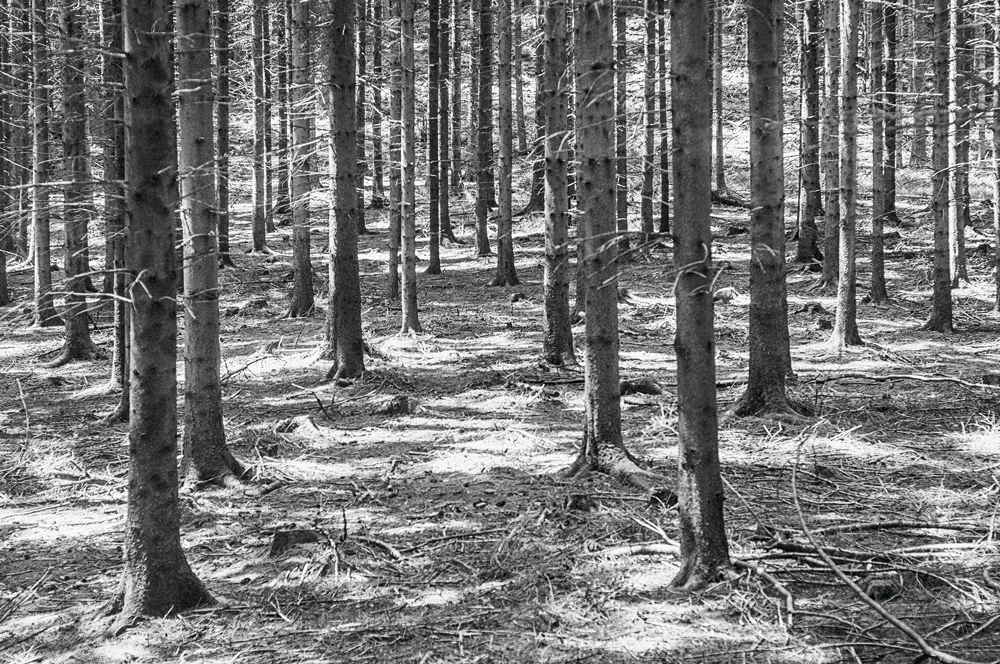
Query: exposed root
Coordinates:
[622,467]
[71,353]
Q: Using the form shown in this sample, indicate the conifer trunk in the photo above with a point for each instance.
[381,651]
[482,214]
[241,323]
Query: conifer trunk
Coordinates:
[830,146]
[506,274]
[807,249]
[301,137]
[408,218]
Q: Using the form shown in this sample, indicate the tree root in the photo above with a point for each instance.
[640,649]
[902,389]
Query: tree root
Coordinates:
[622,467]
[70,354]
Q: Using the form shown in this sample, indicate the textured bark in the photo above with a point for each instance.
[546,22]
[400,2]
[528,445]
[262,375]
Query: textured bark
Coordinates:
[995,126]
[557,342]
[830,147]
[301,138]
[282,207]
[157,579]
[378,82]
[807,249]
[649,123]
[259,200]
[536,195]
[206,457]
[621,127]
[267,55]
[433,136]
[941,306]
[395,149]
[892,101]
[845,326]
[484,126]
[7,123]
[506,275]
[222,127]
[20,105]
[77,198]
[704,550]
[361,38]
[958,141]
[664,81]
[922,81]
[408,216]
[879,157]
[717,70]
[345,345]
[770,354]
[519,115]
[456,101]
[444,134]
[45,312]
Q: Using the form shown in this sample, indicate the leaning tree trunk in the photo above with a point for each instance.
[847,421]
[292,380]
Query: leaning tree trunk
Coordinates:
[941,306]
[830,147]
[649,124]
[77,203]
[157,579]
[506,274]
[845,326]
[345,345]
[207,459]
[807,249]
[433,136]
[704,550]
[557,340]
[45,311]
[301,178]
[408,217]
[770,355]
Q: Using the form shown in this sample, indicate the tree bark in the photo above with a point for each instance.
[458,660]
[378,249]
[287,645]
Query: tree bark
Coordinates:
[519,115]
[301,138]
[958,141]
[433,136]
[378,81]
[996,152]
[456,102]
[649,124]
[408,216]
[922,81]
[444,127]
[879,153]
[704,550]
[157,579]
[664,80]
[395,148]
[830,147]
[484,127]
[717,93]
[259,200]
[344,345]
[506,274]
[807,249]
[621,127]
[222,39]
[557,342]
[361,32]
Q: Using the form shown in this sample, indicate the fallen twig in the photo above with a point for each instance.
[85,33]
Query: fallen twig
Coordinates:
[886,525]
[857,375]
[448,538]
[767,576]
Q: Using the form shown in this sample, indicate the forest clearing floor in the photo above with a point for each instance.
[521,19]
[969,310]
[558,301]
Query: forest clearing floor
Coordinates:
[433,529]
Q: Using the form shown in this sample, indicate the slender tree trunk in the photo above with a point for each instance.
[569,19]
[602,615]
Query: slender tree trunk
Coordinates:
[259,202]
[880,157]
[7,148]
[378,83]
[621,127]
[704,550]
[157,579]
[892,101]
[433,135]
[519,115]
[395,149]
[941,306]
[807,249]
[506,275]
[21,104]
[456,103]
[958,142]
[222,128]
[77,199]
[664,79]
[996,151]
[484,126]
[361,21]
[770,355]
[649,123]
[717,93]
[408,218]
[268,59]
[344,345]
[536,195]
[830,146]
[45,312]
[301,139]
[557,343]
[923,81]
[282,202]
[444,127]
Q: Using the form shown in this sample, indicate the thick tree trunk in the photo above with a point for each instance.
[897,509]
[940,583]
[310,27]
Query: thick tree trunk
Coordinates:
[621,128]
[157,579]
[557,342]
[301,138]
[807,249]
[344,344]
[433,136]
[45,312]
[506,275]
[830,147]
[77,200]
[941,306]
[649,124]
[395,149]
[408,218]
[704,550]
[206,457]
[484,127]
[845,326]
[770,355]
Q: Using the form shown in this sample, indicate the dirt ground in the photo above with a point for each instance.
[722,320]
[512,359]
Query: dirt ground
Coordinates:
[432,528]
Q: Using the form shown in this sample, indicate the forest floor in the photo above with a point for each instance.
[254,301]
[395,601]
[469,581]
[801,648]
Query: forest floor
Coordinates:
[433,529]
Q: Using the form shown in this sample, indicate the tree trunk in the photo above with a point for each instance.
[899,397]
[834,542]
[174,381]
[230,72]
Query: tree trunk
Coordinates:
[222,129]
[522,132]
[344,344]
[259,201]
[361,20]
[45,312]
[649,124]
[892,101]
[484,127]
[7,148]
[378,80]
[830,147]
[922,82]
[717,91]
[444,127]
[282,203]
[267,56]
[879,156]
[845,326]
[996,152]
[206,457]
[664,79]
[704,550]
[301,138]
[621,127]
[770,358]
[408,218]
[557,343]
[456,104]
[506,274]
[77,200]
[807,249]
[395,148]
[958,142]
[433,135]
[536,195]
[157,579]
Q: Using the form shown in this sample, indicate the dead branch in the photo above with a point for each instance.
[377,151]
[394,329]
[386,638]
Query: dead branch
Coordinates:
[857,375]
[778,585]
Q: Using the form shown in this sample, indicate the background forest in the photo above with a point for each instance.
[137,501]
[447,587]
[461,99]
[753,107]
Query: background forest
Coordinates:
[499,330]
